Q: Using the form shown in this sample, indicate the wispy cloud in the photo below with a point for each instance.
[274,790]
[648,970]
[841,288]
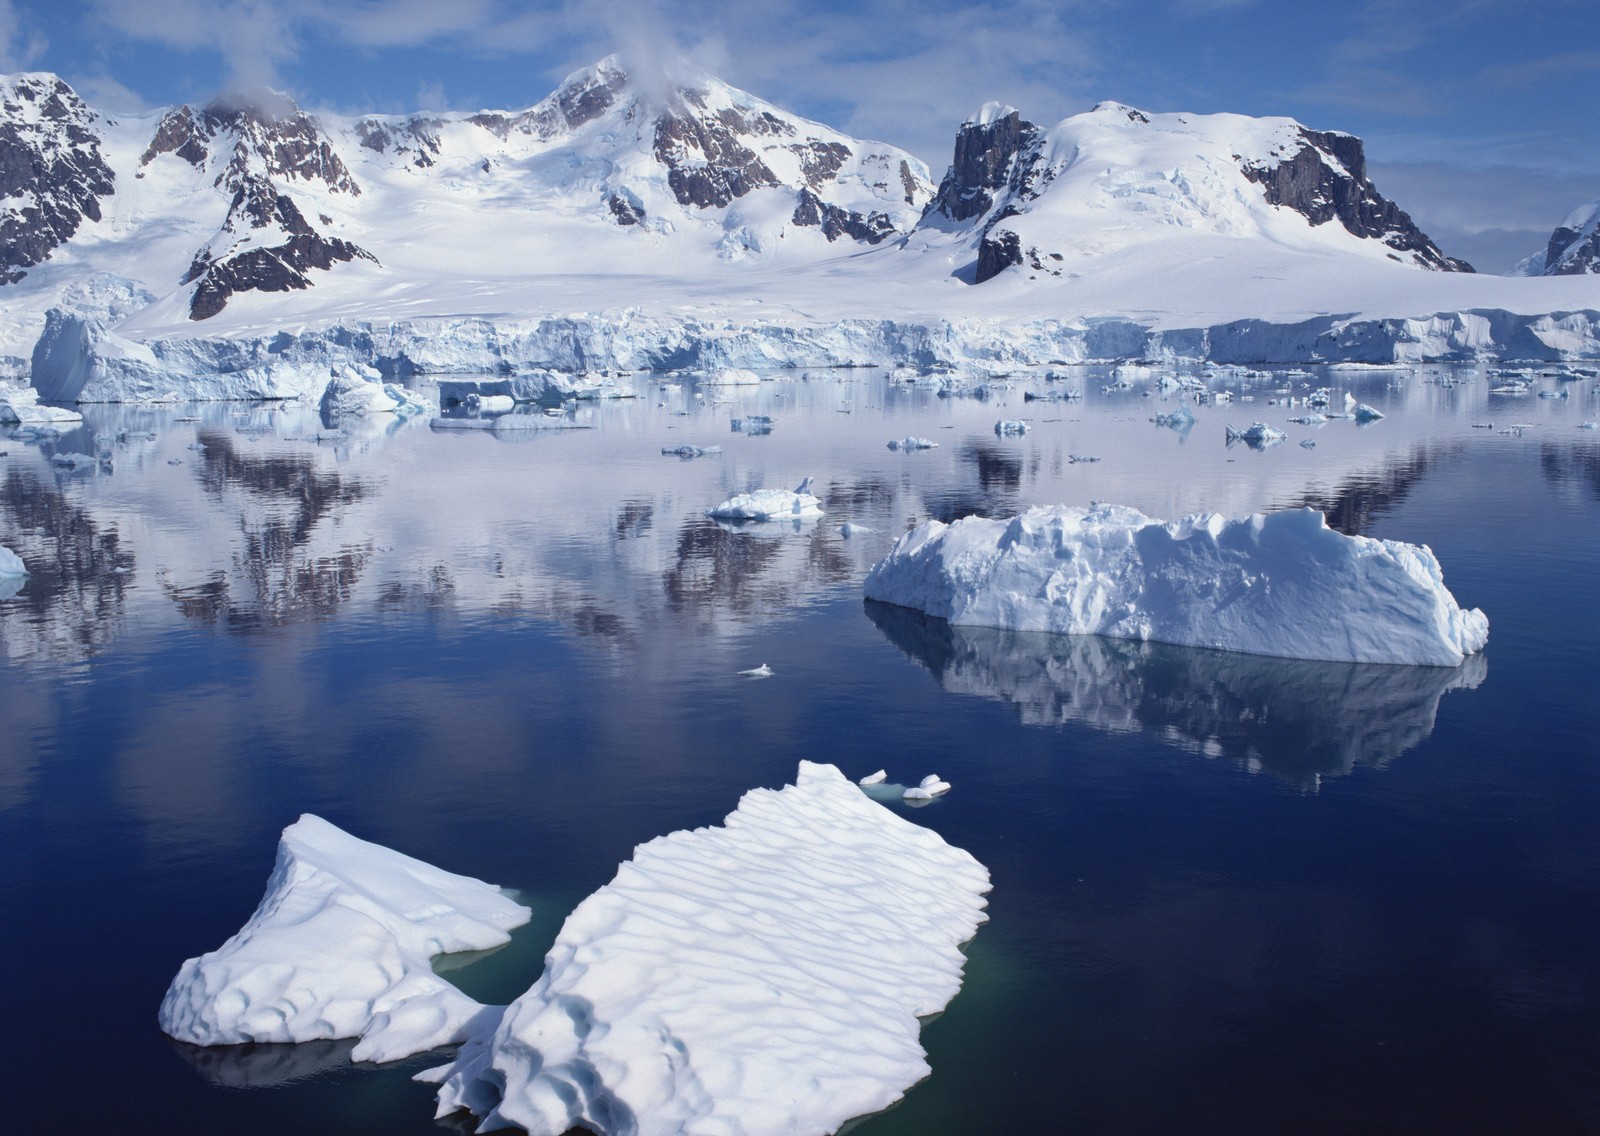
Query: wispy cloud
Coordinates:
[21,44]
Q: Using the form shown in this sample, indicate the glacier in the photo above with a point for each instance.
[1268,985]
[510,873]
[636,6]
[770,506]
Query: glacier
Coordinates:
[339,947]
[765,976]
[1281,584]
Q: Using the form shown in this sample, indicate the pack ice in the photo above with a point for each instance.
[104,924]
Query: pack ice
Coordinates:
[765,976]
[339,948]
[1280,584]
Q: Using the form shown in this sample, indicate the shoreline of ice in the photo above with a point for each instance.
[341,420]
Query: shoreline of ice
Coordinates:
[1280,584]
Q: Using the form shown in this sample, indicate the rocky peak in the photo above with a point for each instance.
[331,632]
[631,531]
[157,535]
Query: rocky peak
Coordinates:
[1326,180]
[263,134]
[52,172]
[1574,248]
[986,159]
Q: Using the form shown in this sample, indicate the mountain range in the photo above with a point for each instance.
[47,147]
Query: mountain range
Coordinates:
[249,213]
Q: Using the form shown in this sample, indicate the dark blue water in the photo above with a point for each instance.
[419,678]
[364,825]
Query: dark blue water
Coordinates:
[1230,894]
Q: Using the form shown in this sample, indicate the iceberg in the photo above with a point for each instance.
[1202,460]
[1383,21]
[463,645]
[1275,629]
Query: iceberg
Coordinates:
[19,407]
[763,976]
[1365,413]
[339,948]
[770,505]
[1010,428]
[357,392]
[1257,435]
[11,564]
[1281,584]
[910,443]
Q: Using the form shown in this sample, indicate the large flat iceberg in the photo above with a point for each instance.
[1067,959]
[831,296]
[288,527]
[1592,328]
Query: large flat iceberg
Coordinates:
[1279,584]
[762,977]
[339,948]
[770,505]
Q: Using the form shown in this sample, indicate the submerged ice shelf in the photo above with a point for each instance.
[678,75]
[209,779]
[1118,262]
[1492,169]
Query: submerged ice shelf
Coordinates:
[1279,584]
[339,948]
[765,976]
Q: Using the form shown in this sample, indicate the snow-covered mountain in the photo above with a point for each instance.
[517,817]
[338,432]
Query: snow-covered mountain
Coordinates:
[1574,247]
[1049,200]
[198,204]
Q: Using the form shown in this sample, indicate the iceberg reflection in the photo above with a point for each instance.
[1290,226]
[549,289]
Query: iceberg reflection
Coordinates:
[1297,719]
[259,1066]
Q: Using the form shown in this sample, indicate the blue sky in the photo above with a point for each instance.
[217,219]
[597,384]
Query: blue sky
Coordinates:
[1479,115]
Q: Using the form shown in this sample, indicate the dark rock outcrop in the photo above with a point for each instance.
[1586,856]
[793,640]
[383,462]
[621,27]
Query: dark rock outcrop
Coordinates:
[707,166]
[416,139]
[260,213]
[998,252]
[1574,248]
[52,172]
[1326,180]
[985,162]
[266,134]
[836,222]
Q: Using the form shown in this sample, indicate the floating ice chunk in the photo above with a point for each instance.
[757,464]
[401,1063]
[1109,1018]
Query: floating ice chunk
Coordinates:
[1257,434]
[10,563]
[932,786]
[1269,584]
[850,528]
[1310,420]
[19,406]
[733,376]
[764,976]
[763,671]
[770,505]
[877,778]
[1010,428]
[1308,444]
[910,443]
[1365,413]
[339,948]
[752,424]
[688,453]
[1180,419]
[1586,425]
[355,392]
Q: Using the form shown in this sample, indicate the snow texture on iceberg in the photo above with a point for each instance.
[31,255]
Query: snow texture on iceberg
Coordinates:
[1280,584]
[770,505]
[765,976]
[339,948]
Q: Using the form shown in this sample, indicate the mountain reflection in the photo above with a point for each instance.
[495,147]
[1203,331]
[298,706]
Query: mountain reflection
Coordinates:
[1296,719]
[79,572]
[273,581]
[1357,504]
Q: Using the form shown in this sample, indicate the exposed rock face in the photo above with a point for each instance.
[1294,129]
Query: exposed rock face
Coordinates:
[1327,180]
[985,162]
[998,252]
[52,173]
[267,135]
[837,222]
[1574,248]
[707,164]
[416,138]
[240,258]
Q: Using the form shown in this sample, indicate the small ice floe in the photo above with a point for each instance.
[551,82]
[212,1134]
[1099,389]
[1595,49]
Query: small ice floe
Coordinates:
[1180,419]
[339,948]
[1586,425]
[174,461]
[1308,444]
[761,996]
[1310,420]
[930,788]
[763,671]
[1258,435]
[877,778]
[1081,459]
[689,453]
[70,461]
[1365,413]
[770,505]
[1483,425]
[733,377]
[752,424]
[1553,394]
[1010,428]
[910,443]
[850,528]
[10,563]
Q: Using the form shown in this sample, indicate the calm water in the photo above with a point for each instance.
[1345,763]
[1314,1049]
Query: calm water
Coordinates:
[1230,894]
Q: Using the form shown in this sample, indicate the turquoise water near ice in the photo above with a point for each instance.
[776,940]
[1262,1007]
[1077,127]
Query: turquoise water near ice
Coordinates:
[1230,894]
